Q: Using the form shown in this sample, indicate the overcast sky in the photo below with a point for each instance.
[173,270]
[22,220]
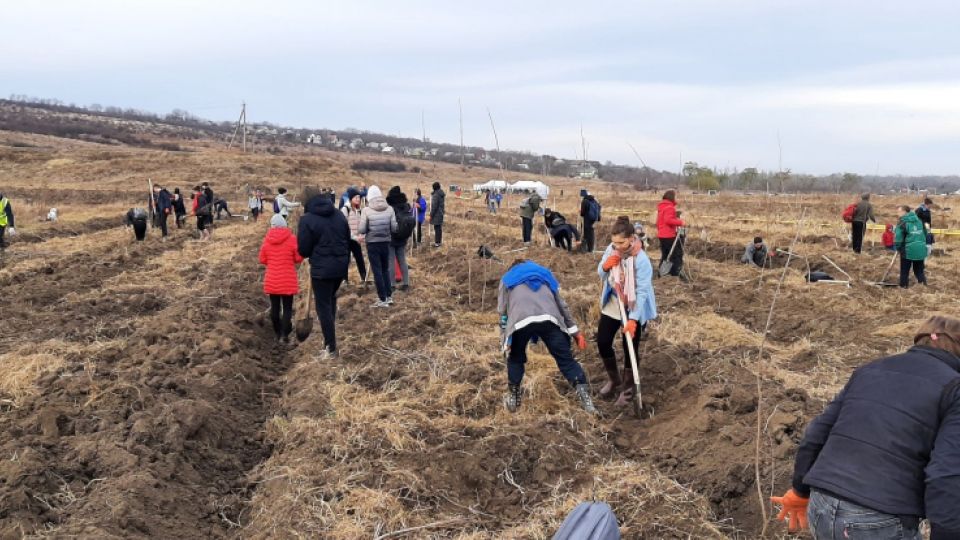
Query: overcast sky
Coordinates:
[849,86]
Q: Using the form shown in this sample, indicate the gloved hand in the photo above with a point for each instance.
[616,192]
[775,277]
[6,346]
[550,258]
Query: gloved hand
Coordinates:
[612,260]
[581,341]
[631,328]
[793,509]
[503,322]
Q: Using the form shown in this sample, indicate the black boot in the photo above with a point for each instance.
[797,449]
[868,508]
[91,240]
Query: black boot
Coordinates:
[613,383]
[513,397]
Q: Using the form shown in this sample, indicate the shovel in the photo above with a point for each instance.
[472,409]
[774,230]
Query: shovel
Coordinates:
[638,400]
[667,265]
[305,325]
[883,280]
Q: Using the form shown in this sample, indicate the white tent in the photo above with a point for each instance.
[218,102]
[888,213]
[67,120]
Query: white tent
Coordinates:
[530,185]
[492,185]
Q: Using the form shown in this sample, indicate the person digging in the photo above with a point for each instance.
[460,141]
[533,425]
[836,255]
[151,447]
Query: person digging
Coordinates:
[531,309]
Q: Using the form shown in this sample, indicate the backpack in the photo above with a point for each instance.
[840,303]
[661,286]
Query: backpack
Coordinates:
[276,207]
[525,203]
[593,210]
[849,212]
[406,224]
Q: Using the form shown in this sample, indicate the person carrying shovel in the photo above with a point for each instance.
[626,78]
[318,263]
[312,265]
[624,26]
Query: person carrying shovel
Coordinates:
[531,309]
[627,303]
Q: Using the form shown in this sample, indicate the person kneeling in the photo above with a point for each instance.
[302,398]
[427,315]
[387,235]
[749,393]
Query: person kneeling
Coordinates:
[531,309]
[756,253]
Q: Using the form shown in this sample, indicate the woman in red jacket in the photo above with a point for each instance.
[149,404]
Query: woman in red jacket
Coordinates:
[279,254]
[667,224]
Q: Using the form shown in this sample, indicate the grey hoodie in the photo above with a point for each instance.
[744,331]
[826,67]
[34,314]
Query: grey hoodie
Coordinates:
[377,220]
[523,306]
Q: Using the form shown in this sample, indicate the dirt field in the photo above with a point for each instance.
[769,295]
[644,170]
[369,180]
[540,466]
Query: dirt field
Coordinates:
[141,394]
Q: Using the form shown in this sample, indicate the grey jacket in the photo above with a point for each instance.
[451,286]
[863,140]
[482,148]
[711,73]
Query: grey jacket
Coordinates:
[523,306]
[754,255]
[377,221]
[437,207]
[864,212]
[532,206]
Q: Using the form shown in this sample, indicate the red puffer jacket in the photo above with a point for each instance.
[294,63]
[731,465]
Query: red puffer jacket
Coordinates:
[279,253]
[667,220]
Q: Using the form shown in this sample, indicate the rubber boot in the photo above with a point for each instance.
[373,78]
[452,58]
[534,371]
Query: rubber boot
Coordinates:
[609,389]
[513,397]
[583,392]
[627,389]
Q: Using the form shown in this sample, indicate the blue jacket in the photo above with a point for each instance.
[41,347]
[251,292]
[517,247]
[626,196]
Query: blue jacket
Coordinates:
[646,308]
[323,236]
[883,444]
[421,209]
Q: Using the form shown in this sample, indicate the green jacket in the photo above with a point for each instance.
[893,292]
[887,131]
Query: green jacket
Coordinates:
[911,238]
[531,206]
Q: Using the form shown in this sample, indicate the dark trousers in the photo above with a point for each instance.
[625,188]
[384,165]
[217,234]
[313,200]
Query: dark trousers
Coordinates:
[357,251]
[563,240]
[438,234]
[140,230]
[281,314]
[557,342]
[379,254]
[857,230]
[677,259]
[918,267]
[419,231]
[527,228]
[3,231]
[589,236]
[162,223]
[325,297]
[179,219]
[606,333]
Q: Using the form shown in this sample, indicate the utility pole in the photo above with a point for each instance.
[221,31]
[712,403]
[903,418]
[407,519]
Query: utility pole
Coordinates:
[460,105]
[241,123]
[423,125]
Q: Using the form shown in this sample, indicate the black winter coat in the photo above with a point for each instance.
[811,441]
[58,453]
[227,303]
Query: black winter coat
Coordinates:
[323,237]
[887,442]
[398,201]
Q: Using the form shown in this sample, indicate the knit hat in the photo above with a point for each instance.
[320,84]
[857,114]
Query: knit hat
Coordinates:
[374,192]
[352,192]
[278,221]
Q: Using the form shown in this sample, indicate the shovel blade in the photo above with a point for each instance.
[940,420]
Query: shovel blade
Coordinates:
[637,402]
[303,329]
[665,268]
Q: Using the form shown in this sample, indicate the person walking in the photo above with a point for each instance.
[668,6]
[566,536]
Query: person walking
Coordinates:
[351,211]
[203,209]
[377,222]
[437,212]
[406,223]
[531,309]
[923,212]
[137,219]
[528,209]
[885,453]
[163,207]
[668,223]
[179,208]
[323,237]
[7,222]
[255,204]
[862,213]
[627,277]
[590,213]
[280,254]
[421,215]
[910,237]
[283,205]
[499,198]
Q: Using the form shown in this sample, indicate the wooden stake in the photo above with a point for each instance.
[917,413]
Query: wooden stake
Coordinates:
[469,284]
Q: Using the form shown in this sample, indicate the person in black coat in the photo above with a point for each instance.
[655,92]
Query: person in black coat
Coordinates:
[163,207]
[562,232]
[886,451]
[323,237]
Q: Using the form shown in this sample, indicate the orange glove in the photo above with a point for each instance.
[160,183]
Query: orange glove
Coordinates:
[612,260]
[581,341]
[631,328]
[793,509]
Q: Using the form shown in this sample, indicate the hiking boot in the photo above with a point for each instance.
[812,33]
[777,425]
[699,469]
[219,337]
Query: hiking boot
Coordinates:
[583,392]
[613,384]
[404,288]
[513,398]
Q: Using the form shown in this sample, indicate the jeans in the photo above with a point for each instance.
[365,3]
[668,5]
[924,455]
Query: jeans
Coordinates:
[833,519]
[399,254]
[325,297]
[357,253]
[379,254]
[140,230]
[918,267]
[438,234]
[527,228]
[557,342]
[665,245]
[281,314]
[589,236]
[856,232]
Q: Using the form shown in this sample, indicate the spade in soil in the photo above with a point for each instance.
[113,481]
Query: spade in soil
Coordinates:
[305,325]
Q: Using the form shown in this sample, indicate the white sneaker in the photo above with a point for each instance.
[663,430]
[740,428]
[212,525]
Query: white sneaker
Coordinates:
[389,300]
[380,304]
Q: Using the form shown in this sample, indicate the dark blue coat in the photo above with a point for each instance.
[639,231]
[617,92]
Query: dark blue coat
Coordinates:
[887,442]
[164,201]
[324,238]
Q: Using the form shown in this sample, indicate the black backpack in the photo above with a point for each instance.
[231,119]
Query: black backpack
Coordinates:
[406,224]
[593,210]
